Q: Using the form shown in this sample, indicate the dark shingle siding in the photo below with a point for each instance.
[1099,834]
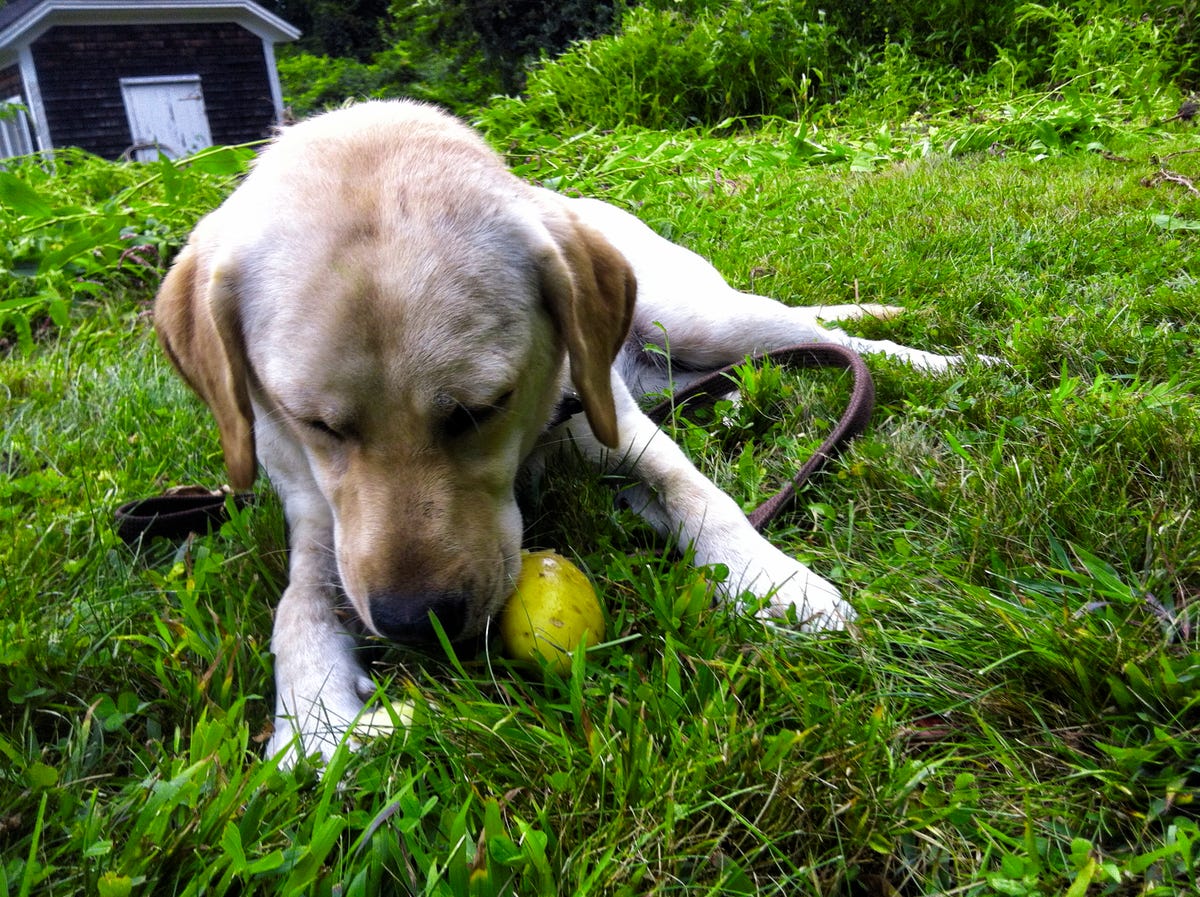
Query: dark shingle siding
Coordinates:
[10,83]
[80,68]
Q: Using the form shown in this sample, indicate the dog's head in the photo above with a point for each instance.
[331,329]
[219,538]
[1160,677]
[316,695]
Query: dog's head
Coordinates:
[387,310]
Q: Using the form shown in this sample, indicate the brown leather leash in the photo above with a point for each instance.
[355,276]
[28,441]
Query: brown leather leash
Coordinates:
[177,513]
[853,422]
[195,509]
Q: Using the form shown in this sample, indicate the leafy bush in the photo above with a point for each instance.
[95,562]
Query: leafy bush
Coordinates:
[951,31]
[968,33]
[699,62]
[340,28]
[1093,46]
[675,63]
[457,54]
[893,83]
[667,69]
[314,83]
[500,37]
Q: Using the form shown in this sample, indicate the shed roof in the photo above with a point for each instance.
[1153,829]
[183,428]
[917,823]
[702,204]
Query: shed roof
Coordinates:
[24,21]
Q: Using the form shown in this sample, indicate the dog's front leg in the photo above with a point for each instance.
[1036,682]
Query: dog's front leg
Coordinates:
[683,503]
[320,687]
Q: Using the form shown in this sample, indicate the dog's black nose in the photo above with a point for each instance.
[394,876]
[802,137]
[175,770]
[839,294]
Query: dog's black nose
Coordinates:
[406,617]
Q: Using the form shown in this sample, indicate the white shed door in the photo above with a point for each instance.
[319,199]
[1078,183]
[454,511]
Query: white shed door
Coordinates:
[166,114]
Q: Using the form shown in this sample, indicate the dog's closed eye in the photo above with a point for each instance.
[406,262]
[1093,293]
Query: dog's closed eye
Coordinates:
[338,434]
[468,419]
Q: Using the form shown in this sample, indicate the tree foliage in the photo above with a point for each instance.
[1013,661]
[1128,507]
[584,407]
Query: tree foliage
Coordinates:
[504,36]
[346,28]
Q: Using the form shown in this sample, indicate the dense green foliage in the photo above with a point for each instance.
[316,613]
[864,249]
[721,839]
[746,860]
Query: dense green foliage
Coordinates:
[666,69]
[335,28]
[669,68]
[453,54]
[80,230]
[457,54]
[1017,710]
[671,63]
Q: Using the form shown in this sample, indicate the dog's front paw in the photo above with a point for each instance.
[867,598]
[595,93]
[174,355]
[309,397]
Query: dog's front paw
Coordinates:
[790,592]
[937,364]
[810,602]
[315,718]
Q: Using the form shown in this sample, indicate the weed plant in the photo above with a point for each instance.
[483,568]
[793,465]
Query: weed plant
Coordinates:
[78,230]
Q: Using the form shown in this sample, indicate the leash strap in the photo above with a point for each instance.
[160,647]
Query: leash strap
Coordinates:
[176,513]
[853,422]
[194,509]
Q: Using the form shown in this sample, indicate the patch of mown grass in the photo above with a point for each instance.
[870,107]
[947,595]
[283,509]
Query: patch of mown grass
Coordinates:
[1016,711]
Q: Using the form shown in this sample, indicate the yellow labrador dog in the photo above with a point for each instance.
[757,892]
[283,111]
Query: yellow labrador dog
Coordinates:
[386,319]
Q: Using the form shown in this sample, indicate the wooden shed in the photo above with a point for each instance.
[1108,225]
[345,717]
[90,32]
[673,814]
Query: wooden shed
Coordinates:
[137,76]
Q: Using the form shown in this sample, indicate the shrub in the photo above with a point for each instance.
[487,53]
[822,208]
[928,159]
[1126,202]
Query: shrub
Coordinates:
[963,33]
[677,63]
[313,83]
[893,84]
[950,31]
[701,62]
[1098,46]
[667,69]
[505,35]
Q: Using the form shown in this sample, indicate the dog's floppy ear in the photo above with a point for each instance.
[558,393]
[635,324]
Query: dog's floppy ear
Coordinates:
[198,325]
[592,298]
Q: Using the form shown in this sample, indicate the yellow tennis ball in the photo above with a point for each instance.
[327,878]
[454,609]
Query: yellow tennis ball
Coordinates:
[552,608]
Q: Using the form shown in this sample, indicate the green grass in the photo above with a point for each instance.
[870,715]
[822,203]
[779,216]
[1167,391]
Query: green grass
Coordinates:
[1017,711]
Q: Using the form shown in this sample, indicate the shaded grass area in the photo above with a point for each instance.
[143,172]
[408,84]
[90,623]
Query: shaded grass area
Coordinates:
[1017,711]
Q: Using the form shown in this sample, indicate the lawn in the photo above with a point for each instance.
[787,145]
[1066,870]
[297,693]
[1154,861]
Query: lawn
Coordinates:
[1016,711]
